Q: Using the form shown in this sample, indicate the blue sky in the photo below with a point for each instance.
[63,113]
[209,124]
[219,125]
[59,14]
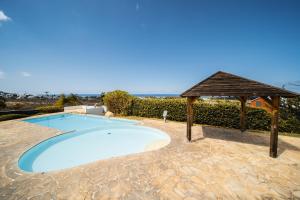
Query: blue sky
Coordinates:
[145,46]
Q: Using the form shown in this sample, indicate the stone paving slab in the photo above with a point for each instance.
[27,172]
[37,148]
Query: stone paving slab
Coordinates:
[219,164]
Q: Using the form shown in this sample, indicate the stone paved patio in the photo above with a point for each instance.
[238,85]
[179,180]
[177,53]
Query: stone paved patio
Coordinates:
[219,164]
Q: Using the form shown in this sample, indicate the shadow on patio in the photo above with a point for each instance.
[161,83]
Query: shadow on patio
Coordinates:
[245,137]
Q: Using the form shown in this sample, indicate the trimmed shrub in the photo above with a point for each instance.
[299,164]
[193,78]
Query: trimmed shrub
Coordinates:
[225,114]
[118,102]
[292,124]
[11,116]
[151,107]
[49,109]
[258,119]
[218,114]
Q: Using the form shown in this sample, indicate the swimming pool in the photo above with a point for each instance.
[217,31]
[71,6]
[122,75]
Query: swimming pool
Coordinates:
[87,139]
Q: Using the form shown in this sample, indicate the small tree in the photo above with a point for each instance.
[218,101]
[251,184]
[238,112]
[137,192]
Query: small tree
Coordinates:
[101,97]
[62,100]
[290,115]
[73,100]
[2,102]
[118,102]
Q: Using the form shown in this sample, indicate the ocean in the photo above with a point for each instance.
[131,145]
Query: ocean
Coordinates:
[137,95]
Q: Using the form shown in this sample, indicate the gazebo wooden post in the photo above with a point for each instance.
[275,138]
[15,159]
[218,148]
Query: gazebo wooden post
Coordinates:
[190,117]
[243,113]
[274,126]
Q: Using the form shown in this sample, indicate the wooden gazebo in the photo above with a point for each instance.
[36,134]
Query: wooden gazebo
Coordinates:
[226,84]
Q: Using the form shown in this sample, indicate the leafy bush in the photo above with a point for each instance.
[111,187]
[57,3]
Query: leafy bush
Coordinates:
[11,116]
[292,124]
[16,106]
[152,107]
[62,100]
[71,100]
[218,114]
[226,115]
[292,106]
[118,102]
[2,102]
[49,109]
[258,119]
[290,115]
[101,97]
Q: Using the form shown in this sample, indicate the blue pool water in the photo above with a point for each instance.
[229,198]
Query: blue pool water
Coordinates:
[69,122]
[89,139]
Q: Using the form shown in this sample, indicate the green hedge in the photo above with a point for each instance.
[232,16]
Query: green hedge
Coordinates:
[292,125]
[218,114]
[12,116]
[49,109]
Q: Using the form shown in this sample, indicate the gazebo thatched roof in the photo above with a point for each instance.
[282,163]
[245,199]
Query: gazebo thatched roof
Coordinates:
[226,84]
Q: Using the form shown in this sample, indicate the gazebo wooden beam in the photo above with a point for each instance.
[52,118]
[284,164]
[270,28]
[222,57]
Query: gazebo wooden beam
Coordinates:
[274,126]
[243,100]
[190,117]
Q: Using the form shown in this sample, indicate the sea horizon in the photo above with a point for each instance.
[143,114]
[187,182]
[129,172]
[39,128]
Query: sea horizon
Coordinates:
[139,95]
